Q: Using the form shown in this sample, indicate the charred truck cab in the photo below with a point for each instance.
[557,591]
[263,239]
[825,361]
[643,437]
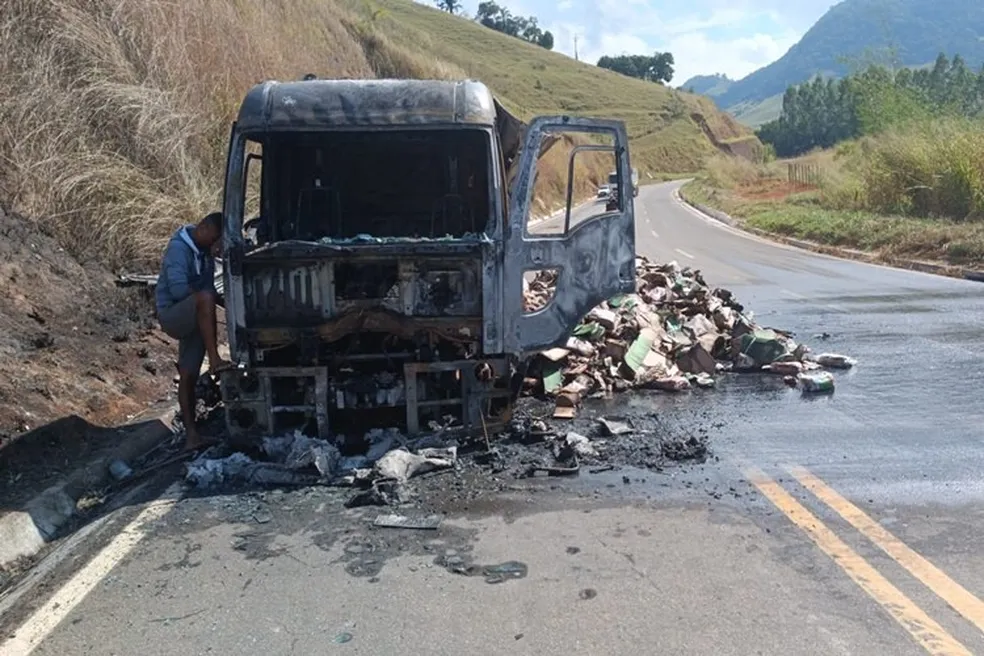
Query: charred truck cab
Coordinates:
[378,280]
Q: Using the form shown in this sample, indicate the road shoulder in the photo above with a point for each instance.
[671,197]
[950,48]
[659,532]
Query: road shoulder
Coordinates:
[38,514]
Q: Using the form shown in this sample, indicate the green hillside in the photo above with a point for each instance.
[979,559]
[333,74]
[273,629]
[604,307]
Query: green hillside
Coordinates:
[756,114]
[858,32]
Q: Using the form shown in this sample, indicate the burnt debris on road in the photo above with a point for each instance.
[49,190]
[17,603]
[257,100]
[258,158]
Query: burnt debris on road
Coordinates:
[673,335]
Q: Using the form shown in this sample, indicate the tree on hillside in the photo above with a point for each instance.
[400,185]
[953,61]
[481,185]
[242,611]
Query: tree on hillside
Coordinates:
[662,68]
[820,113]
[978,107]
[657,68]
[499,18]
[450,6]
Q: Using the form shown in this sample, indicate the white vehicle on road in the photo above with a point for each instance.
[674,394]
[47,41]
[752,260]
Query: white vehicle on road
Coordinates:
[613,181]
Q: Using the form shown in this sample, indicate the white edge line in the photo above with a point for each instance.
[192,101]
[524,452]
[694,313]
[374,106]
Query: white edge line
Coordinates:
[46,618]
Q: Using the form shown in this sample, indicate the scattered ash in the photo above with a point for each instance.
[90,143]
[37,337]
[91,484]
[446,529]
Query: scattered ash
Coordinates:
[642,439]
[534,461]
[465,476]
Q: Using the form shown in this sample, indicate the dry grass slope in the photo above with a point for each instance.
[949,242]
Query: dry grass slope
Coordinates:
[114,113]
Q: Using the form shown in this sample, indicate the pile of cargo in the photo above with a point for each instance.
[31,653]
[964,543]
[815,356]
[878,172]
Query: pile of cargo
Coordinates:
[673,334]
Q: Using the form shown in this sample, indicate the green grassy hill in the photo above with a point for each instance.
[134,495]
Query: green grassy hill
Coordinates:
[755,114]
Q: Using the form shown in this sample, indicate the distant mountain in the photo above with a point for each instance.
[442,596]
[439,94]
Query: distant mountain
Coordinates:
[855,33]
[708,85]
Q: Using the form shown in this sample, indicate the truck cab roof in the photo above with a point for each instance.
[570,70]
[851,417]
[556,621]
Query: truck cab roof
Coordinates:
[337,104]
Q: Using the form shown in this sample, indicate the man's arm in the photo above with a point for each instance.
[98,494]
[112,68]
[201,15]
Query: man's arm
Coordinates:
[176,270]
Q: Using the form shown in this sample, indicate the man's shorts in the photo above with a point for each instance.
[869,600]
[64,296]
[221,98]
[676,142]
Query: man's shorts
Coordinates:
[180,321]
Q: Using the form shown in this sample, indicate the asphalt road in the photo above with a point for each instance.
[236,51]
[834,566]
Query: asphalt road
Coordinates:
[846,524]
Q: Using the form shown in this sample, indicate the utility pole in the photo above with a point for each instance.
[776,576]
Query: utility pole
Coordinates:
[575,48]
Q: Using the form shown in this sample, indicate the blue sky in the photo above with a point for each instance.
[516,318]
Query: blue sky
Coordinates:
[705,36]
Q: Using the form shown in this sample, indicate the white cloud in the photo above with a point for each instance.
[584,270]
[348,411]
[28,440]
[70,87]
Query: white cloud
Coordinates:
[696,54]
[693,23]
[734,37]
[621,44]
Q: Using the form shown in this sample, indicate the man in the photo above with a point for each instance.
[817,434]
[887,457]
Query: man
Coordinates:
[186,301]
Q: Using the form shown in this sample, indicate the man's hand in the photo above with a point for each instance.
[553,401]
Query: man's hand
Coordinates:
[217,248]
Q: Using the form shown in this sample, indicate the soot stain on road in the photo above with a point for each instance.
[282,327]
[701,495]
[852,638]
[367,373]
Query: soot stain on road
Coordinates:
[661,431]
[365,555]
[185,561]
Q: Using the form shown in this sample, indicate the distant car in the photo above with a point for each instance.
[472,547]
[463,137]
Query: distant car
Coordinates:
[613,181]
[611,205]
[604,191]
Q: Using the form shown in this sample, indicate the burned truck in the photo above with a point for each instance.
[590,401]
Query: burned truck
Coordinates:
[376,240]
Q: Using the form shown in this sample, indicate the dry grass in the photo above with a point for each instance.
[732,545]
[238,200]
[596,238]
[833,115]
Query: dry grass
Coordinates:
[934,170]
[931,169]
[114,113]
[591,170]
[725,172]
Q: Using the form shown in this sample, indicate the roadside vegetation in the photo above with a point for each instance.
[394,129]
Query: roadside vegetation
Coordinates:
[889,162]
[914,191]
[114,113]
[824,112]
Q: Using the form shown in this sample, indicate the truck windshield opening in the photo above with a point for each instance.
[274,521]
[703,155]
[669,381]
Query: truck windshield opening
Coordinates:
[424,184]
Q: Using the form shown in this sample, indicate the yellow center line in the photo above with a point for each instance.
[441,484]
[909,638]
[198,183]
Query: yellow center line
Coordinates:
[930,635]
[965,603]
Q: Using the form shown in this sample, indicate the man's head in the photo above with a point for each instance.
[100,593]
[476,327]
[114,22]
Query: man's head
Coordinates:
[208,232]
